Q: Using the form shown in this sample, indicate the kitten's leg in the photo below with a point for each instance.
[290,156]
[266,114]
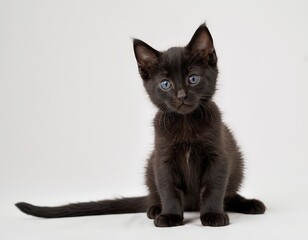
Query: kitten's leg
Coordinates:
[170,196]
[237,203]
[213,188]
[154,208]
[154,205]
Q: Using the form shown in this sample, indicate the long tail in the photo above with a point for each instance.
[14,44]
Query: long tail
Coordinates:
[116,206]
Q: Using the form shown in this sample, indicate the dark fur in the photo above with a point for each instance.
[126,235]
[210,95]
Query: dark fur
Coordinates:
[196,164]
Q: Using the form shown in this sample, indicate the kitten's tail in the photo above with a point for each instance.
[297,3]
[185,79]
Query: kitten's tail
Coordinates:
[116,206]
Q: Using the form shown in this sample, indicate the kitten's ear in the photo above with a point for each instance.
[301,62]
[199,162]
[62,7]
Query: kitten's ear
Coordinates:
[146,56]
[201,42]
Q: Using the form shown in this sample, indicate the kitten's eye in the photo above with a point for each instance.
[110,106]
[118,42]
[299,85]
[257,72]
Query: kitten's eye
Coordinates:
[193,79]
[165,84]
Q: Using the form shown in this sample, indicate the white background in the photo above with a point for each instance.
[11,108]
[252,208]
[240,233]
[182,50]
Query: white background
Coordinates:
[76,124]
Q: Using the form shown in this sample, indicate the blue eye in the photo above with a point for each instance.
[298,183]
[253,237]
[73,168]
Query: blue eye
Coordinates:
[165,84]
[193,79]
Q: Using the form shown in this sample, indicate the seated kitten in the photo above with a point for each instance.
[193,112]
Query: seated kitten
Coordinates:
[196,164]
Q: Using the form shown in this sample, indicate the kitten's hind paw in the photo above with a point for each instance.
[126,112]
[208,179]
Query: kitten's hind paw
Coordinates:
[168,220]
[239,204]
[215,219]
[153,211]
[253,206]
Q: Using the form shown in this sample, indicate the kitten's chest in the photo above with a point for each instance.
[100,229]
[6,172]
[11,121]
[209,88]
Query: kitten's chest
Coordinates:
[187,157]
[183,130]
[190,163]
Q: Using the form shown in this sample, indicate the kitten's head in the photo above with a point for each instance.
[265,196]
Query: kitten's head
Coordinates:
[181,78]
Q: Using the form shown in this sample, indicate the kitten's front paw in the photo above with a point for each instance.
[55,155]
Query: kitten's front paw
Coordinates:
[215,219]
[168,220]
[153,211]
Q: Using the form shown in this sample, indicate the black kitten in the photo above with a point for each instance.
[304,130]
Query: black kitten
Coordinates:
[196,164]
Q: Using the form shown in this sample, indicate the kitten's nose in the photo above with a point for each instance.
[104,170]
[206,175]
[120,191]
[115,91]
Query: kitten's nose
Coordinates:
[181,95]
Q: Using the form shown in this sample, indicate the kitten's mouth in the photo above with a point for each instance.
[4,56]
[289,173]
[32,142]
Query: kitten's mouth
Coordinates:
[184,108]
